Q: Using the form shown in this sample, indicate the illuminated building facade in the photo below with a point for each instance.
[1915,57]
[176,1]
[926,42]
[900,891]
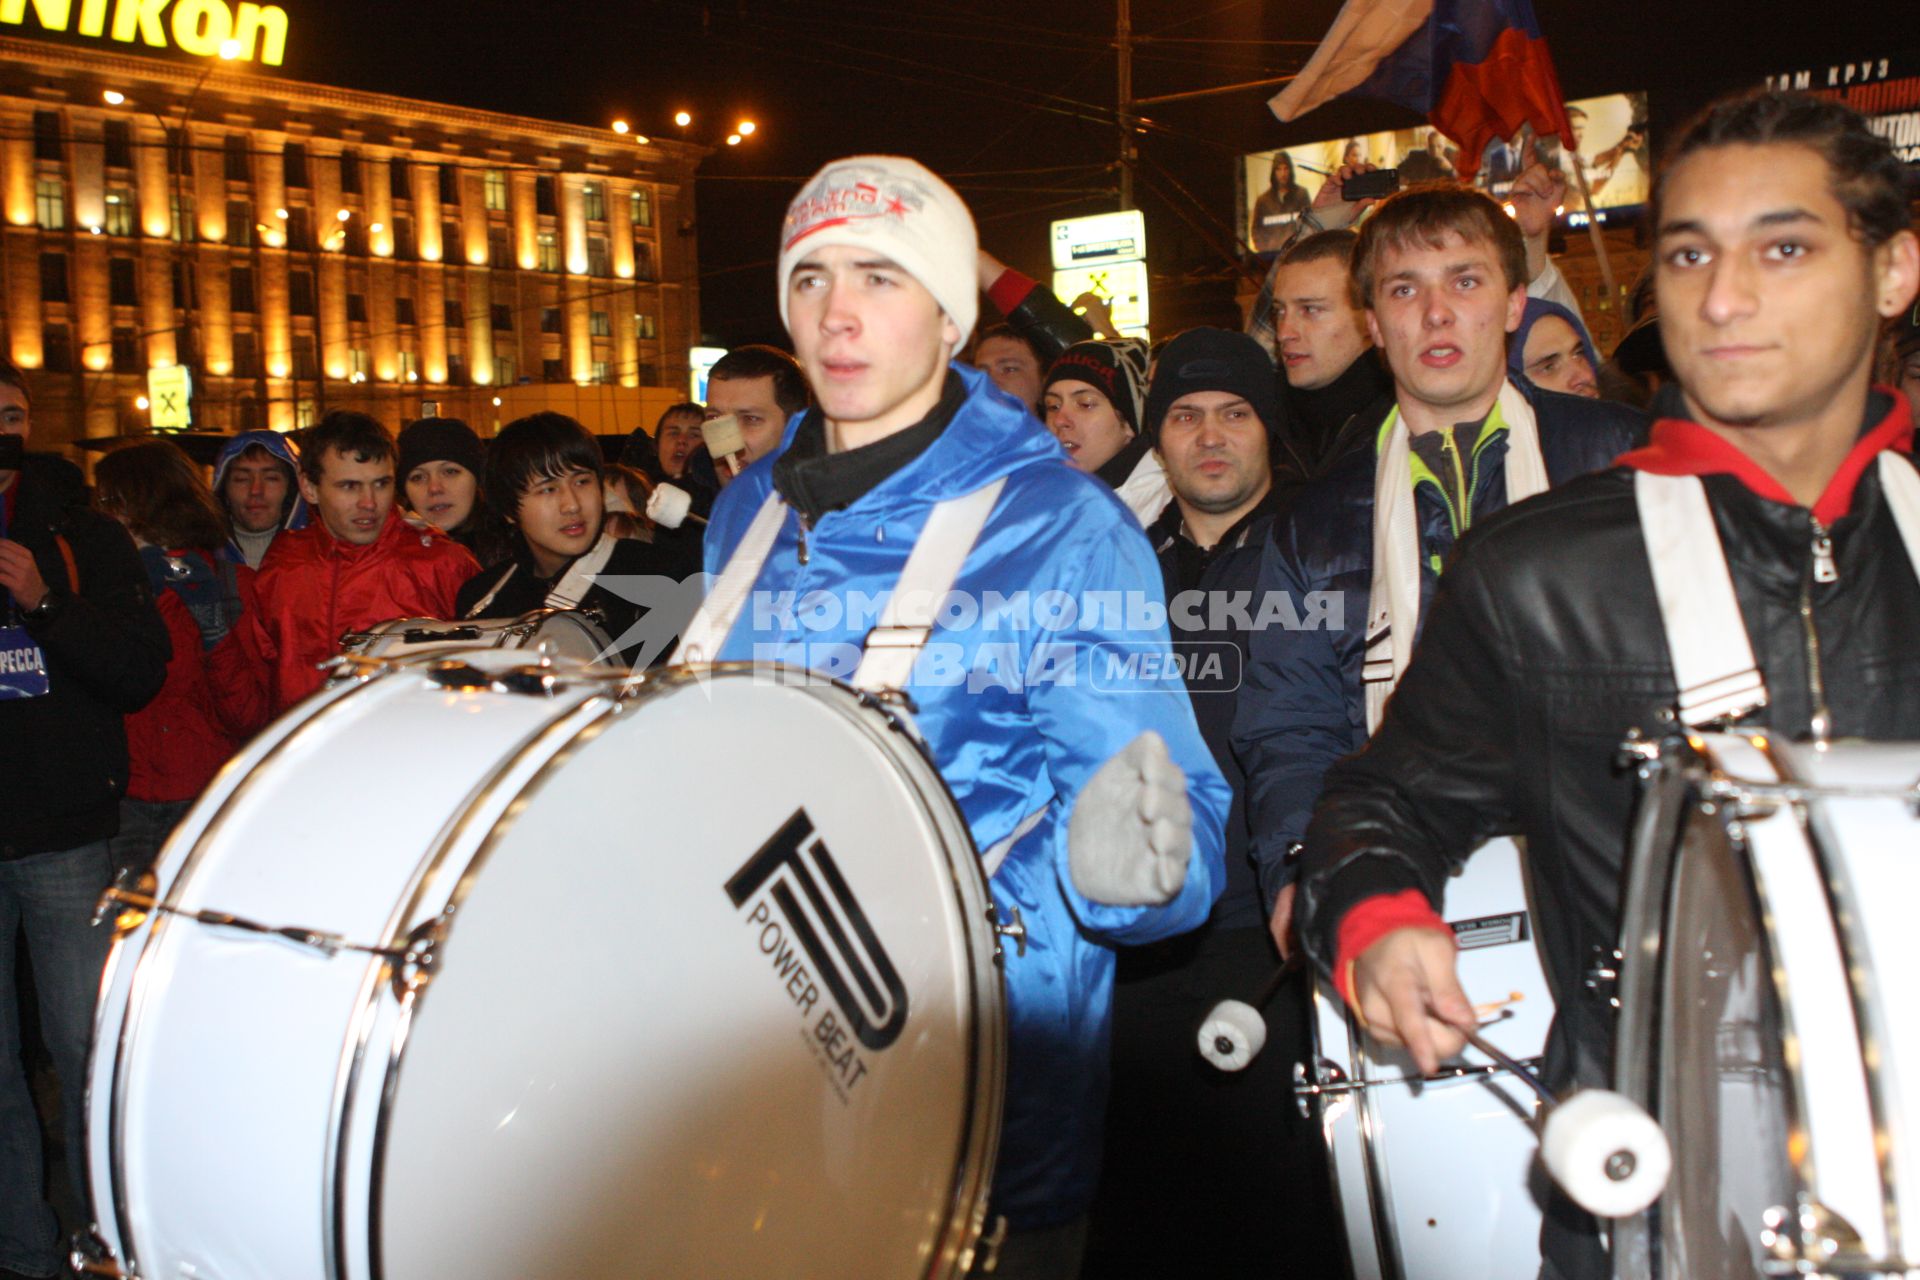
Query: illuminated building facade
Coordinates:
[299,248]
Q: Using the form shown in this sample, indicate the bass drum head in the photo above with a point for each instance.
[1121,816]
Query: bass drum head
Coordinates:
[571,636]
[717,1000]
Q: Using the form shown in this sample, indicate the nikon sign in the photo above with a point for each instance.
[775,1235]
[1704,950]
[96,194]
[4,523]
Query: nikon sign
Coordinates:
[258,32]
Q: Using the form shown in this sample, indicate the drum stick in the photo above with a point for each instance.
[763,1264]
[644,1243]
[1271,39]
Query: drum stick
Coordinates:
[1505,1059]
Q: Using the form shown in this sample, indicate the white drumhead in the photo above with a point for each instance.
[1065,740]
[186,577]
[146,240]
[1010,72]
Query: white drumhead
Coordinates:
[629,1063]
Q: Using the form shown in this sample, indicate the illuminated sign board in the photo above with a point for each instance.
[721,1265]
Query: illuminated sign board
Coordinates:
[204,28]
[1886,90]
[702,359]
[1122,285]
[170,398]
[1104,237]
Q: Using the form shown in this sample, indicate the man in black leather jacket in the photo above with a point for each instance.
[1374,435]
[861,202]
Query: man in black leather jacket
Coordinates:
[1782,240]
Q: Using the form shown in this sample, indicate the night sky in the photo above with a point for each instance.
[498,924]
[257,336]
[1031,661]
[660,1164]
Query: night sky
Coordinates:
[1012,100]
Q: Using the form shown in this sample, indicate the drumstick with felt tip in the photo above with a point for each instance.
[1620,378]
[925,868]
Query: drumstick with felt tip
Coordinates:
[1233,1032]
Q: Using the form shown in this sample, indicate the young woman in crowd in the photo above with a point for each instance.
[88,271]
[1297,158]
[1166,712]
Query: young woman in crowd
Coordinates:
[177,742]
[1091,402]
[441,462]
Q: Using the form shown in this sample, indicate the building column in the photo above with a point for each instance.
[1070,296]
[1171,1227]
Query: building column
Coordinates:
[425,181]
[430,314]
[479,326]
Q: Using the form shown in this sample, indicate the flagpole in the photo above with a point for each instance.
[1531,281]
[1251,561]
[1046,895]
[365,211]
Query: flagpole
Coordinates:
[1593,229]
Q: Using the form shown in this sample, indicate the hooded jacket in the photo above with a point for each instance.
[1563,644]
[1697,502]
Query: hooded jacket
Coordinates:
[63,756]
[1539,309]
[1017,718]
[1302,706]
[311,589]
[280,447]
[176,743]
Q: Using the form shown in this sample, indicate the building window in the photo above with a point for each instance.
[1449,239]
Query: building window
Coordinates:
[126,350]
[118,136]
[594,197]
[649,375]
[643,266]
[355,239]
[599,261]
[300,293]
[449,240]
[600,324]
[456,320]
[503,373]
[53,277]
[304,415]
[239,223]
[643,206]
[295,163]
[403,246]
[449,184]
[119,211]
[56,348]
[300,227]
[549,319]
[357,308]
[456,368]
[50,204]
[46,136]
[357,364]
[246,354]
[306,363]
[502,316]
[403,310]
[496,189]
[543,194]
[179,273]
[602,372]
[397,179]
[350,172]
[549,251]
[409,367]
[552,371]
[236,157]
[644,326]
[183,217]
[122,290]
[240,289]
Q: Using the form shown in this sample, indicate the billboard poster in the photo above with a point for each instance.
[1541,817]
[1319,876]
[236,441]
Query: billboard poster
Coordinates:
[1278,187]
[1884,89]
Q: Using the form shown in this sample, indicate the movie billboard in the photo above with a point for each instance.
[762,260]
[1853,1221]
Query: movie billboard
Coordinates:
[1278,188]
[1884,89]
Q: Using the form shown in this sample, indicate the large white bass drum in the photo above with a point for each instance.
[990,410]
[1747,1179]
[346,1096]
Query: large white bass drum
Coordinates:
[1765,1021]
[1435,1176]
[485,969]
[572,635]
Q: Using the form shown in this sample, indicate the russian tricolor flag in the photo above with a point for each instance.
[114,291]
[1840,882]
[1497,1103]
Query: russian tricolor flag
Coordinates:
[1477,69]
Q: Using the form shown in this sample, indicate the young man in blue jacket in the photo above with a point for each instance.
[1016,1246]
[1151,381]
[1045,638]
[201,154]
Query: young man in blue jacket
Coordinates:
[1096,803]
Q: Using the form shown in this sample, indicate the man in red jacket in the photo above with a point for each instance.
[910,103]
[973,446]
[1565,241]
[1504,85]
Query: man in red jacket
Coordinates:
[360,563]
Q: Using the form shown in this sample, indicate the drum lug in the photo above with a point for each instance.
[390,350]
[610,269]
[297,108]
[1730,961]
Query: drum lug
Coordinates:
[353,666]
[89,1255]
[129,900]
[1603,975]
[1638,751]
[455,674]
[414,966]
[1326,1080]
[1814,1240]
[1015,928]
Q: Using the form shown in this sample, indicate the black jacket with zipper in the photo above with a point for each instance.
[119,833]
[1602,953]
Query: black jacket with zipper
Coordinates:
[1543,649]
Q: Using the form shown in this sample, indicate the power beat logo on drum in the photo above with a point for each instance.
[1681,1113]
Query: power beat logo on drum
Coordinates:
[806,920]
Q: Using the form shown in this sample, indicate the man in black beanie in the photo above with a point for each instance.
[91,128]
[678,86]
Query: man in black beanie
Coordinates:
[1211,416]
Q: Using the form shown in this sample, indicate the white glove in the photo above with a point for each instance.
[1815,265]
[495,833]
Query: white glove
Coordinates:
[668,505]
[1132,828]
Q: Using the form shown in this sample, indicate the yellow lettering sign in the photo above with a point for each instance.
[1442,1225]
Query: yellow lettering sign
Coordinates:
[204,28]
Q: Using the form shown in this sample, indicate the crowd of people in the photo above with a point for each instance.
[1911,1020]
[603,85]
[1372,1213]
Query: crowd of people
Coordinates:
[1309,496]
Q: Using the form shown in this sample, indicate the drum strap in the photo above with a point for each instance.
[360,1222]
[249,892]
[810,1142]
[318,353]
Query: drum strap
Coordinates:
[1713,663]
[480,605]
[702,639]
[578,579]
[931,570]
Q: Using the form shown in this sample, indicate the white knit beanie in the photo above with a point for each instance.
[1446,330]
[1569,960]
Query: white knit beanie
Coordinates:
[898,208]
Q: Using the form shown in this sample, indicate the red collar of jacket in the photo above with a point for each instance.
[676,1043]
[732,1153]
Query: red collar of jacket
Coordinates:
[396,530]
[1678,447]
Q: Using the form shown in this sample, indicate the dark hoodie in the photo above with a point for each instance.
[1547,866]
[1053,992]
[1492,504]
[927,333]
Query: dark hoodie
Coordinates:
[280,447]
[63,756]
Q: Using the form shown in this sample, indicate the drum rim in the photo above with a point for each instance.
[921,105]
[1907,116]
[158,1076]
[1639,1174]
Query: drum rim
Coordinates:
[139,982]
[966,1200]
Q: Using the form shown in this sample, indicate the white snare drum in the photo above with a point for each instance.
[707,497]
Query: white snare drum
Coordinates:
[566,633]
[1768,935]
[1436,1177]
[693,979]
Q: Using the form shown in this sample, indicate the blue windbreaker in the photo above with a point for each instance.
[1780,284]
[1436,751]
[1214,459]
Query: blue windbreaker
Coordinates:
[1034,714]
[281,447]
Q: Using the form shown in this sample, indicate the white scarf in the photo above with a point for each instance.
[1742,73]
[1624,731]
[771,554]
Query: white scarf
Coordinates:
[1393,601]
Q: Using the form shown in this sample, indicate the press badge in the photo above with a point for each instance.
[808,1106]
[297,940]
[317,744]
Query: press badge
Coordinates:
[23,668]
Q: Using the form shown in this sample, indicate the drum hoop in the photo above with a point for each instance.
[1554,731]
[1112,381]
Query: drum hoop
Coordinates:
[138,985]
[986,1049]
[1870,1027]
[453,835]
[1373,1155]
